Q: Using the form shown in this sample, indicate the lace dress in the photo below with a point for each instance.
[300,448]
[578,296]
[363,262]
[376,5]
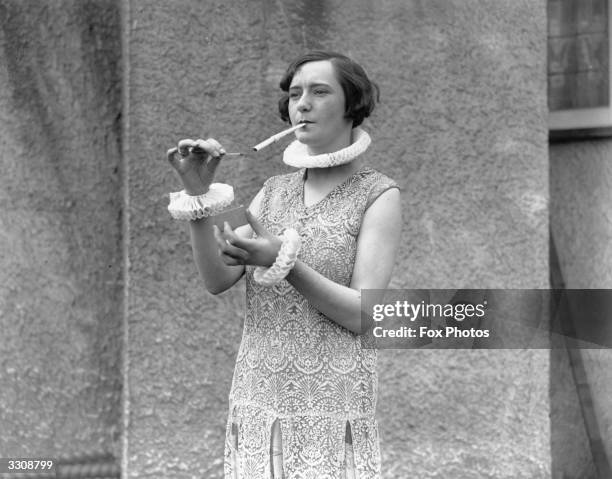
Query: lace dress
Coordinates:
[297,372]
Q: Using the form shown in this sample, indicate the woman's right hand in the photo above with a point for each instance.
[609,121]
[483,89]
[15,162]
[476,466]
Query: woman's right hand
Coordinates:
[195,161]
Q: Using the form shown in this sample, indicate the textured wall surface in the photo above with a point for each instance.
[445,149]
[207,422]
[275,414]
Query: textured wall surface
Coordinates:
[462,127]
[60,268]
[581,225]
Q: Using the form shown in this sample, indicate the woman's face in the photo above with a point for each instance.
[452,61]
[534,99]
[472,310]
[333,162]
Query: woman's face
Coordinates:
[316,98]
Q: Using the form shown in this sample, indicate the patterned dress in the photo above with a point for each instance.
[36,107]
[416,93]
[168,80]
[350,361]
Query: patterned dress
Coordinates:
[298,371]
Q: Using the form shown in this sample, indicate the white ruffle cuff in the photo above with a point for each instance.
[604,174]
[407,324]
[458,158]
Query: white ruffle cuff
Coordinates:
[185,207]
[287,256]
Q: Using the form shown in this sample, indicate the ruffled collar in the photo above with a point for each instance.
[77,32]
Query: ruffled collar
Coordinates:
[296,154]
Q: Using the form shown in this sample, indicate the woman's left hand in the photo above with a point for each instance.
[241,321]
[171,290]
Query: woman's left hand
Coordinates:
[235,250]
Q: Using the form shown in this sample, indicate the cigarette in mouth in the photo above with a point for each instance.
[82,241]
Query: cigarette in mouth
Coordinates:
[278,136]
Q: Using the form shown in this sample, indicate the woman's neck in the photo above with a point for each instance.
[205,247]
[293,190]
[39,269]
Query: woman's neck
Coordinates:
[333,175]
[342,141]
[319,182]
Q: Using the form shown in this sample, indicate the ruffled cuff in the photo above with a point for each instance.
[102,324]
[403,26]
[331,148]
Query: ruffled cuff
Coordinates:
[185,207]
[287,256]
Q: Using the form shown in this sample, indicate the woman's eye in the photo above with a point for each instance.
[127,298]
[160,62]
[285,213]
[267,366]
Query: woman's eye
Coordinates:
[320,92]
[294,95]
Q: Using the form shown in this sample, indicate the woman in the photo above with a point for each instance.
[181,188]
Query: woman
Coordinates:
[304,391]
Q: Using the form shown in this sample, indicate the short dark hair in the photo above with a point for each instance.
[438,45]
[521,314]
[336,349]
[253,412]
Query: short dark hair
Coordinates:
[361,94]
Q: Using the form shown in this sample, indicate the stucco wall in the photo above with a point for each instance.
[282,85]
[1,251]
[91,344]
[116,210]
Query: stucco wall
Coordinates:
[581,225]
[60,267]
[462,127]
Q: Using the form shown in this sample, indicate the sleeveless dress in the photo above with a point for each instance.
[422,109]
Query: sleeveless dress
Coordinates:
[297,372]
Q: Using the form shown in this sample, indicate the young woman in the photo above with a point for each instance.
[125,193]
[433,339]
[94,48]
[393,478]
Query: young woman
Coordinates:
[303,397]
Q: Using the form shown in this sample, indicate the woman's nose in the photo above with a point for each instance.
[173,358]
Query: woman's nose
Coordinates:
[303,103]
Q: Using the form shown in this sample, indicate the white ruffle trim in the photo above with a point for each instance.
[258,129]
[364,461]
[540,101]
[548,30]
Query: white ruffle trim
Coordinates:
[296,154]
[285,260]
[185,207]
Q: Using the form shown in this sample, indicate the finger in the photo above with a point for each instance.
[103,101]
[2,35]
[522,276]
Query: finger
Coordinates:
[233,239]
[171,155]
[258,228]
[217,146]
[235,252]
[231,261]
[212,164]
[216,153]
[184,146]
[186,143]
[199,152]
[211,146]
[227,247]
[206,146]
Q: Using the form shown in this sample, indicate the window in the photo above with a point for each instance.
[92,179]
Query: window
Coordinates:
[579,86]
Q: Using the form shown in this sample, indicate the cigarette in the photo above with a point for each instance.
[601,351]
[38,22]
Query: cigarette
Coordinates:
[278,136]
[233,153]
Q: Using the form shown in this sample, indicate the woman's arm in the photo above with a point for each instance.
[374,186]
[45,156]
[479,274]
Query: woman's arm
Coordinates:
[217,275]
[196,162]
[377,246]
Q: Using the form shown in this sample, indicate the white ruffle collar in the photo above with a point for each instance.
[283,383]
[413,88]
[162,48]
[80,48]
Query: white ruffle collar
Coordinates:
[296,154]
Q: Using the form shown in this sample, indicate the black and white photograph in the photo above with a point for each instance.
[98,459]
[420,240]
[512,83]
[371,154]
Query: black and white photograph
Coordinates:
[306,239]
